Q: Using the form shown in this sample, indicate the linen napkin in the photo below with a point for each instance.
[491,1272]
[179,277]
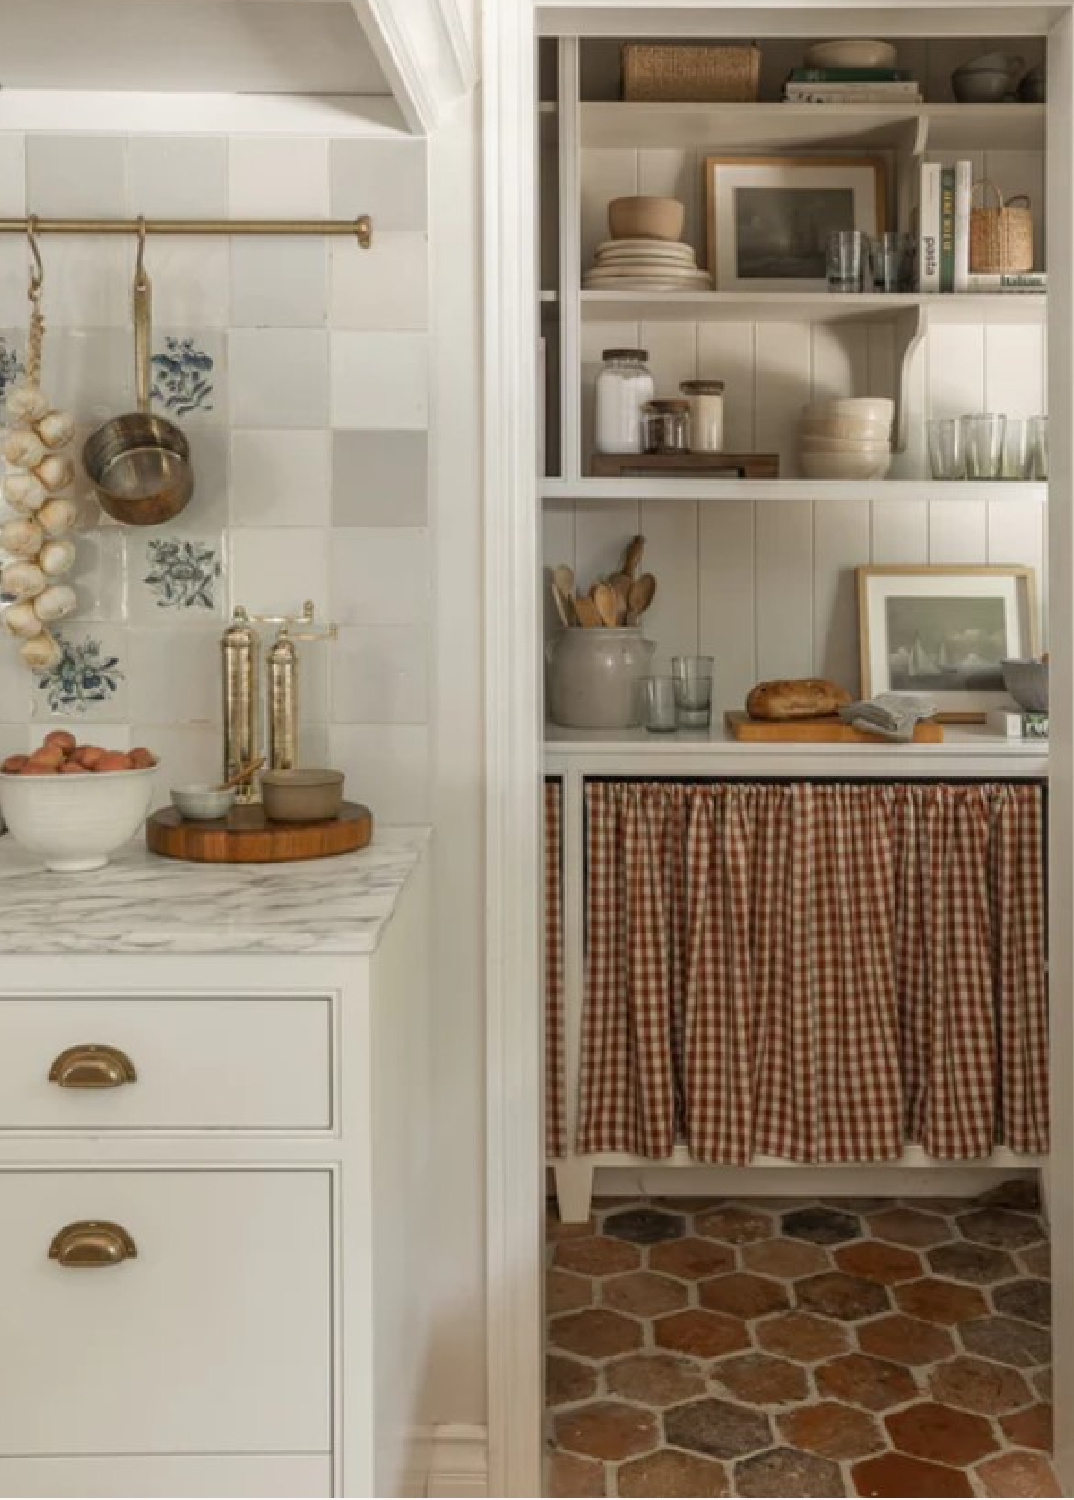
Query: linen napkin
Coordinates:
[890,716]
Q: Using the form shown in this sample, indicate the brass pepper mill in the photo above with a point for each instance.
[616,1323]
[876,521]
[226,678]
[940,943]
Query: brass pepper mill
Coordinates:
[283,721]
[242,705]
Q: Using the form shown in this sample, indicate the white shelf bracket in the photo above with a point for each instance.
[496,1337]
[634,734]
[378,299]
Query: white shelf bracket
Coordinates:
[910,329]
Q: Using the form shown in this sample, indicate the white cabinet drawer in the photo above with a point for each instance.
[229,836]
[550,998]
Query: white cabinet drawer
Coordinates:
[209,1063]
[214,1338]
[117,1477]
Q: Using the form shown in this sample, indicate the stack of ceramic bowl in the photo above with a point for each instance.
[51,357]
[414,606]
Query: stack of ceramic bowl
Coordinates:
[645,253]
[848,439]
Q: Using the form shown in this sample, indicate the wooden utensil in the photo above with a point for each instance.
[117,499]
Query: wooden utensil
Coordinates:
[632,557]
[563,580]
[642,592]
[587,611]
[607,602]
[621,582]
[562,604]
[242,774]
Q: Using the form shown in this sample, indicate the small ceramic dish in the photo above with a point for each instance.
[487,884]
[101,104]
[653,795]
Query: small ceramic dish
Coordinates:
[302,796]
[1027,683]
[851,52]
[979,86]
[202,803]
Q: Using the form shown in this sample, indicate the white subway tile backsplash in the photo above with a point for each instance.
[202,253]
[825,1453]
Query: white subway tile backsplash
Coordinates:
[12,175]
[178,177]
[16,682]
[386,179]
[274,570]
[379,576]
[189,274]
[188,755]
[99,574]
[278,177]
[207,509]
[72,176]
[280,478]
[386,766]
[379,380]
[175,677]
[380,478]
[380,675]
[87,282]
[279,377]
[384,287]
[279,283]
[89,372]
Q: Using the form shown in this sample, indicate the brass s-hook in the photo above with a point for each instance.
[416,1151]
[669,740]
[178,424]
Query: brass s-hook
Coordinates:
[37,270]
[141,280]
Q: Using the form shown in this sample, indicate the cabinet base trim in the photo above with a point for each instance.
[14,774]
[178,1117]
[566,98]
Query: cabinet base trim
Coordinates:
[455,1462]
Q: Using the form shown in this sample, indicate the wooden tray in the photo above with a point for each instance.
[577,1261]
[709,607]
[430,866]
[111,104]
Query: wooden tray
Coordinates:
[246,836]
[685,465]
[819,731]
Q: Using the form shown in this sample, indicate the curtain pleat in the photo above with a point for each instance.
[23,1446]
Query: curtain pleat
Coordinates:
[555,1114]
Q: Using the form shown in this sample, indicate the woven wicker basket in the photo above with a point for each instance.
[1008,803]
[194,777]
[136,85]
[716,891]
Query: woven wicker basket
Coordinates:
[1001,238]
[690,73]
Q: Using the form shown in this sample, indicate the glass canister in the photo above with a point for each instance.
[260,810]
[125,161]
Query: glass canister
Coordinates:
[595,677]
[706,414]
[624,385]
[666,426]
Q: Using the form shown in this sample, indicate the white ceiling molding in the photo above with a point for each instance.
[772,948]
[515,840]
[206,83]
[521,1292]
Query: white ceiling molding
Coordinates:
[425,54]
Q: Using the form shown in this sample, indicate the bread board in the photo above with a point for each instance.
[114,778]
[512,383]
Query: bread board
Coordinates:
[246,836]
[830,730]
[687,465]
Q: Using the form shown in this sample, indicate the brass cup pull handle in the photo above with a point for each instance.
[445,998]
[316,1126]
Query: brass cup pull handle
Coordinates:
[89,1066]
[92,1242]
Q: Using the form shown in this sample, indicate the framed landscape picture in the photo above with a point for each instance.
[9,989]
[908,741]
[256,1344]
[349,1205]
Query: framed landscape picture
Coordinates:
[943,631]
[768,218]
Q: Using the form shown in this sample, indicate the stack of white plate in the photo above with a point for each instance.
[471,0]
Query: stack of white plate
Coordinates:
[645,266]
[848,439]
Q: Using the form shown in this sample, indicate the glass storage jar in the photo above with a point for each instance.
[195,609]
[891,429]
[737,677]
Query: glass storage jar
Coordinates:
[667,426]
[624,385]
[706,414]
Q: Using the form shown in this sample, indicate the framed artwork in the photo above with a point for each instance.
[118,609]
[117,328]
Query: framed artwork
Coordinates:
[768,218]
[943,631]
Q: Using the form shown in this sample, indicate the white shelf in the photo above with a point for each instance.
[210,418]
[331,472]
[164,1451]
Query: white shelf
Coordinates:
[813,307]
[764,127]
[794,491]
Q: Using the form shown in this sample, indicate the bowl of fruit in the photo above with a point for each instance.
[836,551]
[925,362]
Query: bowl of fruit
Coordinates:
[74,805]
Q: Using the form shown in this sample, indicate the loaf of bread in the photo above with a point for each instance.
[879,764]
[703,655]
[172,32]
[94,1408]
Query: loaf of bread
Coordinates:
[797,698]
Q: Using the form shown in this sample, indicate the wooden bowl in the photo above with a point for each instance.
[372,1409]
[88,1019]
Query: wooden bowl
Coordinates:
[646,218]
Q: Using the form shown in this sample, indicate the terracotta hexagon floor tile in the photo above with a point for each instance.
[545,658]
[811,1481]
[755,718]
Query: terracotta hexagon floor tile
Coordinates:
[743,1295]
[786,1471]
[1037,1260]
[786,1258]
[978,1385]
[567,1380]
[565,1292]
[1042,1384]
[1031,1428]
[905,1340]
[691,1258]
[832,1430]
[1028,1299]
[555,1229]
[645,1226]
[655,1379]
[704,1334]
[607,1429]
[1001,1228]
[568,1476]
[734,1224]
[875,1261]
[761,1379]
[1022,1193]
[673,1474]
[942,1434]
[836,1295]
[596,1332]
[597,1256]
[961,1261]
[897,1474]
[877,1384]
[910,1226]
[801,1336]
[721,1429]
[939,1301]
[643,1293]
[821,1226]
[1007,1340]
[1018,1474]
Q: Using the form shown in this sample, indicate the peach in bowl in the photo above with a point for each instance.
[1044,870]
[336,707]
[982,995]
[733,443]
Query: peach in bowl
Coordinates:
[74,805]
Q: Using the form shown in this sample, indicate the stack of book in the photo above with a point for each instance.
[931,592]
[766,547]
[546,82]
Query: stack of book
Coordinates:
[851,86]
[943,237]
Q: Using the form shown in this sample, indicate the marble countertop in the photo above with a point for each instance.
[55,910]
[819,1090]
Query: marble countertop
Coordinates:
[142,903]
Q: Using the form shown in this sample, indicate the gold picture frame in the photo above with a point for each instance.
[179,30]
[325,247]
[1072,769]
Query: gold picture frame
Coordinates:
[958,670]
[737,264]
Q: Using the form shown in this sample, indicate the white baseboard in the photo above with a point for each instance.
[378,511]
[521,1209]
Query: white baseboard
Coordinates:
[454,1462]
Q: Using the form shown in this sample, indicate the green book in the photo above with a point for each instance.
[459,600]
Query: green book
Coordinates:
[947,229]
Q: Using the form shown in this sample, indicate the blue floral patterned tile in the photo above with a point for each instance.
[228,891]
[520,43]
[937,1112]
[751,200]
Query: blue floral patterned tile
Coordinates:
[176,578]
[11,366]
[182,379]
[90,679]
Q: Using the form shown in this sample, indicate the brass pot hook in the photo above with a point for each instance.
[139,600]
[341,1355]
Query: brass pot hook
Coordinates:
[37,269]
[140,278]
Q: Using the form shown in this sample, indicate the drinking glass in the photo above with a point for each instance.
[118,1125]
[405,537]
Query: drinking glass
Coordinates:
[660,705]
[947,452]
[693,690]
[983,434]
[891,262]
[847,255]
[1038,447]
[1017,450]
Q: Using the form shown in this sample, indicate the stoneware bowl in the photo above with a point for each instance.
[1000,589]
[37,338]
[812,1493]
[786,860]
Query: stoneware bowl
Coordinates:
[821,443]
[646,218]
[861,408]
[202,803]
[302,796]
[852,52]
[979,85]
[75,822]
[1027,683]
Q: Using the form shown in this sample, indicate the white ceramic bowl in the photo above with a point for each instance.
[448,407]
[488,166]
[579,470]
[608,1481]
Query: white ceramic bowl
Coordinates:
[863,408]
[845,465]
[850,430]
[853,52]
[811,443]
[202,803]
[75,822]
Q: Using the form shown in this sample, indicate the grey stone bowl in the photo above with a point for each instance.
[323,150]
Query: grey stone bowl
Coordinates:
[1027,683]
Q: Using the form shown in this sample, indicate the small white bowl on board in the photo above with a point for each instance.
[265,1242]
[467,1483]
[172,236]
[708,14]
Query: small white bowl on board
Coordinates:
[201,803]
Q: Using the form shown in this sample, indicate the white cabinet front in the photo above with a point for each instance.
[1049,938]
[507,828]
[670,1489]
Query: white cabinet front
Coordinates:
[200,1322]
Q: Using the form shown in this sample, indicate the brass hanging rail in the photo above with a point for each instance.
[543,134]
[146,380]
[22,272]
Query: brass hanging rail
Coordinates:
[361,228]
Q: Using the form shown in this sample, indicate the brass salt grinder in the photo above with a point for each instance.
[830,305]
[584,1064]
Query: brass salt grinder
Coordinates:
[240,645]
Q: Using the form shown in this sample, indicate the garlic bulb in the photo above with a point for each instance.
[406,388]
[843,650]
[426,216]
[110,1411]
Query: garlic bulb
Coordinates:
[58,515]
[23,447]
[56,429]
[22,537]
[25,403]
[41,652]
[55,603]
[56,557]
[55,471]
[24,579]
[21,619]
[24,492]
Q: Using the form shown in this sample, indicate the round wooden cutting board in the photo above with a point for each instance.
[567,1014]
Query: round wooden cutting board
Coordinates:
[246,836]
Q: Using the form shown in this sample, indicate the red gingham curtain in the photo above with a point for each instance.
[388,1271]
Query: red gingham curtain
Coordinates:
[555,1111]
[816,972]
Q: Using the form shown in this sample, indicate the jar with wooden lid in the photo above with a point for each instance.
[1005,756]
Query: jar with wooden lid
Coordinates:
[666,426]
[624,385]
[706,414]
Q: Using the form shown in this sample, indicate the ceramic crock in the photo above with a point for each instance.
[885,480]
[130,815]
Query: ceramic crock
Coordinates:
[595,676]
